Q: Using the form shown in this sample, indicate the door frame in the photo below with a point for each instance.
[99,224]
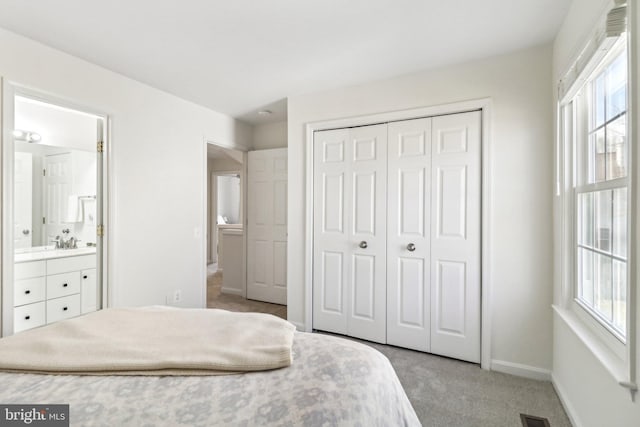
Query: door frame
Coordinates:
[485,105]
[105,203]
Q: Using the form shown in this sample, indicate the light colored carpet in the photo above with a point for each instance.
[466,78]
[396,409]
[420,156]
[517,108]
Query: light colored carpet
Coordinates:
[216,299]
[444,392]
[449,393]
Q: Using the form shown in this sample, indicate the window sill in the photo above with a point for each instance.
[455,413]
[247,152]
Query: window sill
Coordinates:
[616,367]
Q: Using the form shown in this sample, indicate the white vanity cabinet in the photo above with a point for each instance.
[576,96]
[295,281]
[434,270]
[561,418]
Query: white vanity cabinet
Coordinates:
[54,289]
[29,294]
[89,291]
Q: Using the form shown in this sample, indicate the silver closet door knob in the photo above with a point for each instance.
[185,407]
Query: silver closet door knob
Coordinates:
[411,247]
[363,245]
[25,232]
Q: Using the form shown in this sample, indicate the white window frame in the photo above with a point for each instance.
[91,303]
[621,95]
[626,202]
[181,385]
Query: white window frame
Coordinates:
[617,356]
[580,185]
[569,141]
[575,132]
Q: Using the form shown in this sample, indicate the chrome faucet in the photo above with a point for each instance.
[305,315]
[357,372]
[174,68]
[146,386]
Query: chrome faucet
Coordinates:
[58,242]
[62,243]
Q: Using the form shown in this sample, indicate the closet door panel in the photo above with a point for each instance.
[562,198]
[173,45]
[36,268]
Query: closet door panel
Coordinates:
[455,243]
[451,201]
[368,228]
[332,248]
[408,274]
[364,281]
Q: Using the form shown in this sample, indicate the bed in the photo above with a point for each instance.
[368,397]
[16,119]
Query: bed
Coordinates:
[331,381]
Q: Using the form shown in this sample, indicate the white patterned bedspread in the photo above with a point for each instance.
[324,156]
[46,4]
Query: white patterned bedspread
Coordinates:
[332,382]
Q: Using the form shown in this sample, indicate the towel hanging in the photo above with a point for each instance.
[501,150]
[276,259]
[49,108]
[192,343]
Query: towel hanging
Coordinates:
[74,209]
[89,211]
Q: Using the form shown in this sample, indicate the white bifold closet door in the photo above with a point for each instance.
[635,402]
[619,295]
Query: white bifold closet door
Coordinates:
[409,234]
[423,219]
[349,260]
[456,236]
[433,246]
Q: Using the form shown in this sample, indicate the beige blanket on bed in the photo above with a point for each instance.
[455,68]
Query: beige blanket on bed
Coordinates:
[152,341]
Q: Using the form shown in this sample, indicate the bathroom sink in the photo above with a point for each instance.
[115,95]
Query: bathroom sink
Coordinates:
[34,249]
[46,252]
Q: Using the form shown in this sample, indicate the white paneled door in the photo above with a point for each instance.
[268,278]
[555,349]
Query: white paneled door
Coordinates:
[23,193]
[350,230]
[57,189]
[408,235]
[397,233]
[267,226]
[455,236]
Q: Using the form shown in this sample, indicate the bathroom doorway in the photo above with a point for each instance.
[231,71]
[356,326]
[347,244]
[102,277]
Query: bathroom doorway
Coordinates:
[225,195]
[54,162]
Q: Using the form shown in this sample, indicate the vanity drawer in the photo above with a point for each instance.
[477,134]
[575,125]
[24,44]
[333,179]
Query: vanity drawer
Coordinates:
[89,293]
[27,291]
[72,263]
[63,308]
[60,285]
[28,316]
[27,270]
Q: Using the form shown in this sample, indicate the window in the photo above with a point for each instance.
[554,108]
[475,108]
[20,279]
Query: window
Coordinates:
[600,191]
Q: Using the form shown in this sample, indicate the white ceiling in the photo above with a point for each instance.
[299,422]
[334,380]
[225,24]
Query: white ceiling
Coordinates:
[240,56]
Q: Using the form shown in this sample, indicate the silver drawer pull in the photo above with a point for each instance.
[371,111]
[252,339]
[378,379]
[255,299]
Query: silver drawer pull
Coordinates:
[363,245]
[411,247]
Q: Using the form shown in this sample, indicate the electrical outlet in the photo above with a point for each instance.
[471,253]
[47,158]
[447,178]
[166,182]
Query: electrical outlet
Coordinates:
[174,297]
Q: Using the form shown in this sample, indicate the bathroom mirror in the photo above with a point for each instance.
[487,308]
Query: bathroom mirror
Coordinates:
[228,203]
[54,176]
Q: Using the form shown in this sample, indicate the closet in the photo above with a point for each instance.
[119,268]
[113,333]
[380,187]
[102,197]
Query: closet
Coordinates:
[397,237]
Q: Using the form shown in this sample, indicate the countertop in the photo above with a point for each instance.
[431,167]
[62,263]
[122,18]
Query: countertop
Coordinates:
[41,255]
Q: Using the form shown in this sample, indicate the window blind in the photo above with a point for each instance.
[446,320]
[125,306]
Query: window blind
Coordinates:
[603,38]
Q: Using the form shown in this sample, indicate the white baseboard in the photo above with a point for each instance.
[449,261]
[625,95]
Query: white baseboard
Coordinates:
[520,370]
[568,408]
[299,326]
[231,291]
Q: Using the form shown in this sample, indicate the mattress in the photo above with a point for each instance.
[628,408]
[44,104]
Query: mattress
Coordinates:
[331,382]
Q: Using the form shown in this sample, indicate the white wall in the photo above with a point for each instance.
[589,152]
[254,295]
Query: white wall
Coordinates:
[521,142]
[157,162]
[270,135]
[591,395]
